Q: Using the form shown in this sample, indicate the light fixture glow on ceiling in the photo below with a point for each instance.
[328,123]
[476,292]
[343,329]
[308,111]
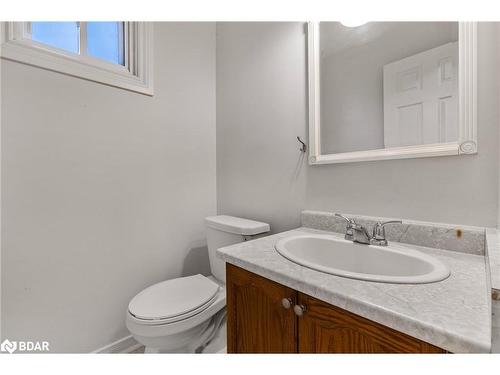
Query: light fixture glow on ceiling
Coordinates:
[352,23]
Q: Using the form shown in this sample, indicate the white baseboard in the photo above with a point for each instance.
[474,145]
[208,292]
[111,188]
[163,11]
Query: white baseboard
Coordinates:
[125,345]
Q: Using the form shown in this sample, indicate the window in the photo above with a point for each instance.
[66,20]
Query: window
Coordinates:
[103,40]
[63,35]
[114,53]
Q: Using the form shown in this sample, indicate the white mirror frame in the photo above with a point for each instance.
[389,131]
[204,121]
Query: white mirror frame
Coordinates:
[467,99]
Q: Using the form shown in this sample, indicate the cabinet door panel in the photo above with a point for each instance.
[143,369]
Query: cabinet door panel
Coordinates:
[257,322]
[324,328]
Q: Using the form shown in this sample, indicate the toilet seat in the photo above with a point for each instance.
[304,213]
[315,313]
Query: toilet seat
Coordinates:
[174,319]
[173,300]
[151,328]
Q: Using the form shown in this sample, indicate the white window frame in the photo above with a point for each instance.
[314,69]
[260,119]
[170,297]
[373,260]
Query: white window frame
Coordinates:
[16,44]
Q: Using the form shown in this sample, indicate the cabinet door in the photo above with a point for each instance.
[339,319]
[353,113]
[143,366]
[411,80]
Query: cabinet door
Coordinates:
[324,328]
[257,321]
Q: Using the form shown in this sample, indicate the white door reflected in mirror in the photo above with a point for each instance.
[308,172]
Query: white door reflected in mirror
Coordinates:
[420,98]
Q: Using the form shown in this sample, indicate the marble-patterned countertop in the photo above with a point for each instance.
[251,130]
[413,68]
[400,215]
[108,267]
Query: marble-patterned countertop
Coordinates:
[495,327]
[493,253]
[453,314]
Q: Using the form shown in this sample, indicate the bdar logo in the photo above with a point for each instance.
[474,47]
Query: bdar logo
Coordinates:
[8,346]
[24,346]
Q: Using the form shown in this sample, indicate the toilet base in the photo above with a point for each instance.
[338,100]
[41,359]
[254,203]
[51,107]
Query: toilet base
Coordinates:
[219,343]
[209,337]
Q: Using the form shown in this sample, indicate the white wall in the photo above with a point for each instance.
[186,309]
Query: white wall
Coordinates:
[498,114]
[104,191]
[261,107]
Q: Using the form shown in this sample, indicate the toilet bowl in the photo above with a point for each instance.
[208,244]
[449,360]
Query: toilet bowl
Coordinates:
[187,314]
[181,327]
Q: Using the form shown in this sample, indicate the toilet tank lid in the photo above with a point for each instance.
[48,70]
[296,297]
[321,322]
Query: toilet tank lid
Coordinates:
[236,225]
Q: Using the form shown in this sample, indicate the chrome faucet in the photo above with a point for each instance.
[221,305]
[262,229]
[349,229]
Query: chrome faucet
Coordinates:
[378,237]
[361,234]
[358,233]
[349,236]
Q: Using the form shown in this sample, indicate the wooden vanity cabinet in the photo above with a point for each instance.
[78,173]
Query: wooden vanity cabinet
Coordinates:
[258,321]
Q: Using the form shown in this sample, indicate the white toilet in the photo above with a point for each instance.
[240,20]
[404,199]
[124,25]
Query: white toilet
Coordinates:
[187,314]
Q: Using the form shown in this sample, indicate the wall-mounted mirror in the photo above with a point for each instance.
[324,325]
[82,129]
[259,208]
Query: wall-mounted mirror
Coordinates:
[391,90]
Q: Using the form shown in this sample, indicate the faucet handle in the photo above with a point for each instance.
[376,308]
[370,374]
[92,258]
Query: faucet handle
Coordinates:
[378,237]
[390,222]
[349,235]
[349,220]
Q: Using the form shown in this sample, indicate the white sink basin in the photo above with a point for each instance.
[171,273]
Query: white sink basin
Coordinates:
[388,264]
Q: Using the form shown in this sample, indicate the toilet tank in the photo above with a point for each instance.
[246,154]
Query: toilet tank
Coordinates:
[223,230]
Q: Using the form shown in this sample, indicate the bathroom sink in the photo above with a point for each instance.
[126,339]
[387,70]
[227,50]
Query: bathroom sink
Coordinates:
[388,264]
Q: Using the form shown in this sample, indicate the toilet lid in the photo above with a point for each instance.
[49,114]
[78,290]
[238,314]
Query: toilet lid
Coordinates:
[173,298]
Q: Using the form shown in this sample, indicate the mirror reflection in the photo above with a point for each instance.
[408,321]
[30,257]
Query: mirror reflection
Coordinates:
[388,84]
